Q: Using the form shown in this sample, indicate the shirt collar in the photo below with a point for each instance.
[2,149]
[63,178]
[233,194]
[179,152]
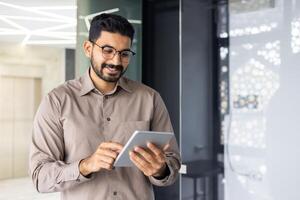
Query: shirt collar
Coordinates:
[87,84]
[124,84]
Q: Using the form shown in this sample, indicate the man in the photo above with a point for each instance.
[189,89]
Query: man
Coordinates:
[82,125]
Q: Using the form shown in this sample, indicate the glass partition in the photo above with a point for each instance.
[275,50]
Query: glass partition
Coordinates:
[262,128]
[199,125]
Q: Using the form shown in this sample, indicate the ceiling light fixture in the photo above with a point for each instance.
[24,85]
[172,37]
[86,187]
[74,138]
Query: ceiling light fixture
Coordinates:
[63,22]
[53,7]
[51,42]
[48,14]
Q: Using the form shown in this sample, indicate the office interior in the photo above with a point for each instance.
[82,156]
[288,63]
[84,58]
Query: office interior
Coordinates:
[228,71]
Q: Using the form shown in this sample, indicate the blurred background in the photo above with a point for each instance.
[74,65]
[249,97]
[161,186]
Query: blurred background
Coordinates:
[228,71]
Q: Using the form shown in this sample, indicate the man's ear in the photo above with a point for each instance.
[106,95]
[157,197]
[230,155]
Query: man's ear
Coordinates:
[87,47]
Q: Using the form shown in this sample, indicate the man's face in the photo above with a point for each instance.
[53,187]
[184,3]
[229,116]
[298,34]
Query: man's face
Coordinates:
[108,69]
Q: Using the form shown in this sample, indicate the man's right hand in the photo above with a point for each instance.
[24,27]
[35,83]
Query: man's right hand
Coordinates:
[103,158]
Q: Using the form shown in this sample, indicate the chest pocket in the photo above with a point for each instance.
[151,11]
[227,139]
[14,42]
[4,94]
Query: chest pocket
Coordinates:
[124,130]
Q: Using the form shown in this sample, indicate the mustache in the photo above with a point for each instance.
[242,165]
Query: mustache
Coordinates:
[117,67]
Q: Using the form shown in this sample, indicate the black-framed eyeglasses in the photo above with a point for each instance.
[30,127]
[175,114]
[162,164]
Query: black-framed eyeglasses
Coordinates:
[109,52]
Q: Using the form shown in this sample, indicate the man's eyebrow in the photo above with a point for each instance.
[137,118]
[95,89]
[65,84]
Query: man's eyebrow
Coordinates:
[106,45]
[126,49]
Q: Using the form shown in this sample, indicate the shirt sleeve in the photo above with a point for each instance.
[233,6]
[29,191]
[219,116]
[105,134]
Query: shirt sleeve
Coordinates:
[47,168]
[161,122]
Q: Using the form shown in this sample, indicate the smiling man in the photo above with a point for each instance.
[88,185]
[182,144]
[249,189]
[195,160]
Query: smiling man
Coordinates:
[82,125]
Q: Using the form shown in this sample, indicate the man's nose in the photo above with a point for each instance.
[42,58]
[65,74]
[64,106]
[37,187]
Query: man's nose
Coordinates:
[117,59]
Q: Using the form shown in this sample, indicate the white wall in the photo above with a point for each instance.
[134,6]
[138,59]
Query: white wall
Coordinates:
[46,63]
[26,74]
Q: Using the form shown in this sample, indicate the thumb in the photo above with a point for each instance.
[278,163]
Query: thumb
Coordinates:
[166,147]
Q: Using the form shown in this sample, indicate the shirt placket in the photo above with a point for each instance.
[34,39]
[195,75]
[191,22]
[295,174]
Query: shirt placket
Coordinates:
[99,111]
[115,192]
[107,116]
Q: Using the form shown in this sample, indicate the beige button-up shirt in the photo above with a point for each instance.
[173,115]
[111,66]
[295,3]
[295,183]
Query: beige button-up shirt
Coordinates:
[71,122]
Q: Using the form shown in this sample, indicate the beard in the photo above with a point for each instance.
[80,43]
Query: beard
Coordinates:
[112,78]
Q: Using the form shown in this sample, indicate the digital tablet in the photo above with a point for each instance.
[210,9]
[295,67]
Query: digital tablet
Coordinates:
[141,138]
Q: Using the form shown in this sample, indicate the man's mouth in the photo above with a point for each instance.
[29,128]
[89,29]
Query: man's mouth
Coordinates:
[112,69]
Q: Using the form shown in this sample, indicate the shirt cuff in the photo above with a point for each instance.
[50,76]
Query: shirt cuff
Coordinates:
[166,180]
[73,173]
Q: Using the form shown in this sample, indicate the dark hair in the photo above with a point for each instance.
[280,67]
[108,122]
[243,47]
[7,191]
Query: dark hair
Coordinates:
[111,23]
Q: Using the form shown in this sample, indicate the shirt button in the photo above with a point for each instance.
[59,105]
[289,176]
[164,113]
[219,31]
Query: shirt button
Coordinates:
[108,119]
[115,193]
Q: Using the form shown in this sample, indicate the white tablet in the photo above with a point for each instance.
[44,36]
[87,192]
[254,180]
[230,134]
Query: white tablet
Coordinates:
[141,138]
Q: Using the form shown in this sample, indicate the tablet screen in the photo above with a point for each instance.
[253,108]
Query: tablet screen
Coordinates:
[141,138]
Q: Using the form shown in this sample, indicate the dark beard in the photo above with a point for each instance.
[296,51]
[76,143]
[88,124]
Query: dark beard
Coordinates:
[111,79]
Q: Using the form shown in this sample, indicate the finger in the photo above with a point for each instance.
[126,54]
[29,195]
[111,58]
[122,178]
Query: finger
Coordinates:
[107,152]
[135,156]
[159,154]
[105,165]
[106,159]
[112,145]
[141,167]
[166,147]
[152,167]
[133,159]
[146,155]
[157,151]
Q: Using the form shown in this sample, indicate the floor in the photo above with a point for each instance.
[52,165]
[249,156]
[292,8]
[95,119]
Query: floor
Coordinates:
[22,188]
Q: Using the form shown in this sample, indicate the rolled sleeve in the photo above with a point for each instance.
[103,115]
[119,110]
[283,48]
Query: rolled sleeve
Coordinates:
[173,166]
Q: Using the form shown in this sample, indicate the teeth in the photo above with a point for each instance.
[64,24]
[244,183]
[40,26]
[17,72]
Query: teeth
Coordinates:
[112,69]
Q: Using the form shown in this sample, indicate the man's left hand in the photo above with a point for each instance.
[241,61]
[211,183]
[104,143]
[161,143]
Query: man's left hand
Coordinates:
[151,161]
